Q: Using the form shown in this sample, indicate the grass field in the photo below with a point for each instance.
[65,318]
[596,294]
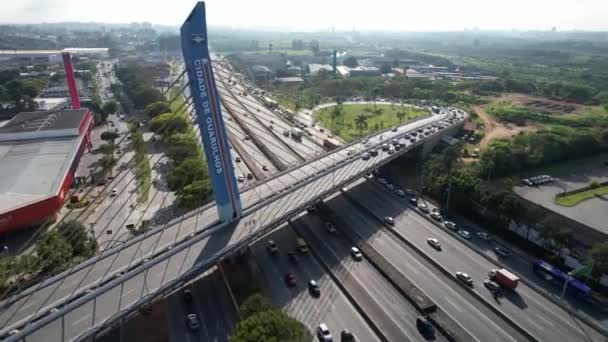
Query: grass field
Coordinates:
[574,199]
[344,125]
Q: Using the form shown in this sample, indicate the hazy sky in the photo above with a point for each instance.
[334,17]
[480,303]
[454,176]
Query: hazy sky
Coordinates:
[401,15]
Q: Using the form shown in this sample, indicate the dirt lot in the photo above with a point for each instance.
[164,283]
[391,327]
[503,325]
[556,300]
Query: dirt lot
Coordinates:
[538,104]
[498,130]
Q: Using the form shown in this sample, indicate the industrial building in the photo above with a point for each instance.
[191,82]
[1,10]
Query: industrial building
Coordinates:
[39,154]
[24,57]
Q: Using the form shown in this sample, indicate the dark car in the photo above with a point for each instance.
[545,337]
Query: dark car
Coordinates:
[290,280]
[188,295]
[314,289]
[425,327]
[291,256]
[192,322]
[347,336]
[493,287]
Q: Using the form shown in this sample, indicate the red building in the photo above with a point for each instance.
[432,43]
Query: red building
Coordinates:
[39,154]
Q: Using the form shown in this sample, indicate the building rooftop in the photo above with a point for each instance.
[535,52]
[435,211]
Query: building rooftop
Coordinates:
[294,79]
[43,121]
[36,152]
[315,68]
[33,170]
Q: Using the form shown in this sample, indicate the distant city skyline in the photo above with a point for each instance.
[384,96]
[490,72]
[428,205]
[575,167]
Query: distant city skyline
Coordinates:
[390,15]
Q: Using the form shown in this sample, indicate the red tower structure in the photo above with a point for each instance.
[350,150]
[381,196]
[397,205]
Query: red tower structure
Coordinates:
[69,76]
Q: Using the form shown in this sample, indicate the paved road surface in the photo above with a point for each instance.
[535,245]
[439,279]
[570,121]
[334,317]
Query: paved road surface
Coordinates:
[388,309]
[332,307]
[479,321]
[212,304]
[530,310]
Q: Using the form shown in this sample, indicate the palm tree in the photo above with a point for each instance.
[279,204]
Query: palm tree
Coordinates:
[336,112]
[400,115]
[375,92]
[361,123]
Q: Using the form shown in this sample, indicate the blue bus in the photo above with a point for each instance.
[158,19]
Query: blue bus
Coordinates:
[557,277]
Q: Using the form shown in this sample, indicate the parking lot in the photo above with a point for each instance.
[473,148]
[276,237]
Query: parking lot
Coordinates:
[592,212]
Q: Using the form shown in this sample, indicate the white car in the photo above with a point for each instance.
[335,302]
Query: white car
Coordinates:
[323,333]
[114,192]
[435,214]
[423,207]
[450,225]
[365,156]
[356,253]
[484,236]
[390,186]
[464,278]
[382,181]
[389,220]
[241,179]
[434,243]
[465,234]
[502,251]
[400,192]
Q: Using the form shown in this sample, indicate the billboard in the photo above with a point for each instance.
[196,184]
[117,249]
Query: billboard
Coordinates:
[208,113]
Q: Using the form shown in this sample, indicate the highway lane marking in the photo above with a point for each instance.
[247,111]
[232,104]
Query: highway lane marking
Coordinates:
[457,307]
[544,319]
[457,244]
[81,319]
[535,324]
[448,289]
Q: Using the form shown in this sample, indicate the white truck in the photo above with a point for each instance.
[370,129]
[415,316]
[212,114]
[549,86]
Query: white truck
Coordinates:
[296,133]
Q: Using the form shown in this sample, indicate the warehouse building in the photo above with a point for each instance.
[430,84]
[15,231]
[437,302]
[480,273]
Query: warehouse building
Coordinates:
[39,154]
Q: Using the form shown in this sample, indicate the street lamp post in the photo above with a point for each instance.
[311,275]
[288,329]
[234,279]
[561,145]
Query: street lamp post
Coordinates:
[566,281]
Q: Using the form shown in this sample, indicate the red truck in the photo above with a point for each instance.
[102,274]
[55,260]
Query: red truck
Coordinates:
[504,278]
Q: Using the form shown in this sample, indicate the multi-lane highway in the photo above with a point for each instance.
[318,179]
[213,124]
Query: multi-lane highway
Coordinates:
[480,322]
[525,307]
[211,304]
[107,270]
[387,308]
[332,307]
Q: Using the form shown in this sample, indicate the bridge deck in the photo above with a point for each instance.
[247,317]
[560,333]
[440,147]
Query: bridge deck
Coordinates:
[286,195]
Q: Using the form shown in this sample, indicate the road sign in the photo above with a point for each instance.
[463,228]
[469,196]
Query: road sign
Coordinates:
[208,113]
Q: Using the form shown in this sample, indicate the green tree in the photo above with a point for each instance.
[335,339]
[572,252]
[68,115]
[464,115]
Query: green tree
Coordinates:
[195,194]
[351,62]
[386,68]
[107,149]
[336,112]
[555,234]
[54,252]
[599,255]
[110,107]
[82,243]
[107,162]
[271,326]
[168,124]
[187,172]
[183,146]
[110,136]
[374,95]
[144,95]
[254,304]
[400,115]
[157,108]
[361,123]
